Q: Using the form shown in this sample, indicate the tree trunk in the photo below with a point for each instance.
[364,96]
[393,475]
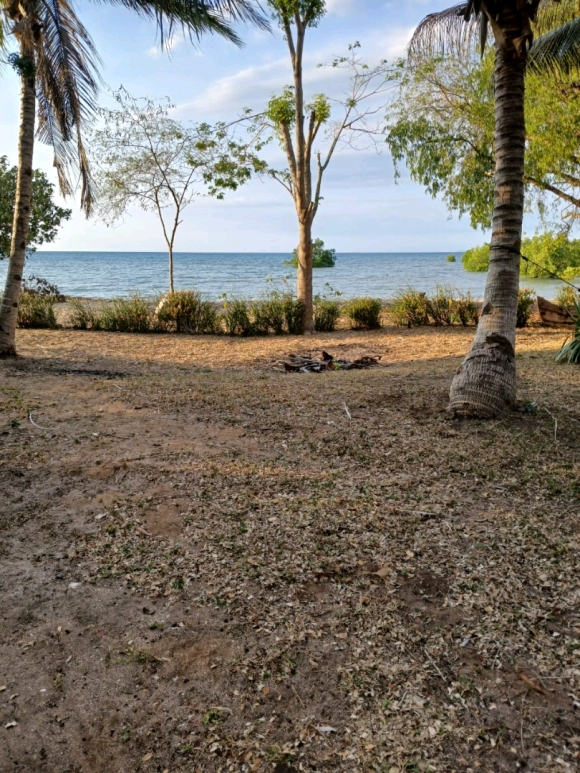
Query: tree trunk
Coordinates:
[304,284]
[13,287]
[171,285]
[485,384]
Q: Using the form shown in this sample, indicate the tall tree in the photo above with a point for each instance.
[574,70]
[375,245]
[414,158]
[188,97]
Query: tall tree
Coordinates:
[57,66]
[45,215]
[296,121]
[144,157]
[485,384]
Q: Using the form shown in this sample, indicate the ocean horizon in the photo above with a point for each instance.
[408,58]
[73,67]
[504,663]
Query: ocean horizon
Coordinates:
[251,274]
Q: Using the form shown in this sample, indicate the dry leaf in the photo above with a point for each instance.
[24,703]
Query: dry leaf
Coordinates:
[11,724]
[3,687]
[526,680]
[383,572]
[326,729]
[147,757]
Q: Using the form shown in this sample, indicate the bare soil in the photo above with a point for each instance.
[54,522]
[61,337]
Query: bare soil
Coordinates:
[207,565]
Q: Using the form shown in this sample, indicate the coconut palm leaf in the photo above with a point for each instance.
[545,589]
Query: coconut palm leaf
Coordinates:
[196,17]
[452,31]
[558,51]
[66,92]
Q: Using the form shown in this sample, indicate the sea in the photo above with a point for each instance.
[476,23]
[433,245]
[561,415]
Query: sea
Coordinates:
[252,274]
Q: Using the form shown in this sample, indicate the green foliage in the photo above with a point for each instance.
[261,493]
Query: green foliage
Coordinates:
[549,253]
[186,312]
[553,253]
[36,311]
[321,257]
[45,216]
[326,314]
[294,315]
[441,306]
[125,315]
[466,310]
[441,125]
[319,108]
[526,301]
[309,11]
[413,308]
[409,308]
[364,312]
[570,352]
[451,258]
[281,110]
[567,297]
[236,317]
[278,313]
[268,314]
[476,259]
[83,315]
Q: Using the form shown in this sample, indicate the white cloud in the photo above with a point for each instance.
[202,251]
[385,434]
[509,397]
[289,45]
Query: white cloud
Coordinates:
[341,7]
[252,86]
[169,46]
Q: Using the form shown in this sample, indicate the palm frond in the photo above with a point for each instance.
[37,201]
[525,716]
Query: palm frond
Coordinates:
[66,89]
[557,51]
[197,17]
[554,13]
[455,31]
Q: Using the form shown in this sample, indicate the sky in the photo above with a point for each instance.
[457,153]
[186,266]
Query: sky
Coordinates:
[364,208]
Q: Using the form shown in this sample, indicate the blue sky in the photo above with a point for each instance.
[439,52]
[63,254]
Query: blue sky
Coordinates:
[363,208]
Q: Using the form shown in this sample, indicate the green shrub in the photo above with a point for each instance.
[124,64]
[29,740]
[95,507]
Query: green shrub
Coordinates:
[451,258]
[236,317]
[294,315]
[326,314]
[36,311]
[409,308]
[269,314]
[321,257]
[526,301]
[567,297]
[125,315]
[551,253]
[364,312]
[83,315]
[571,351]
[465,310]
[476,259]
[186,312]
[441,306]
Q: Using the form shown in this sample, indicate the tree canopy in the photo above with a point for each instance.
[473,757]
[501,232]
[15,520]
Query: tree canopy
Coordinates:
[441,125]
[46,217]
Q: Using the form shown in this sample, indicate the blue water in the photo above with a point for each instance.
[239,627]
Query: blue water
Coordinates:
[112,274]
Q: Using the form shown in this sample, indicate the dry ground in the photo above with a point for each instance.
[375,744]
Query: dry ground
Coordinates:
[206,565]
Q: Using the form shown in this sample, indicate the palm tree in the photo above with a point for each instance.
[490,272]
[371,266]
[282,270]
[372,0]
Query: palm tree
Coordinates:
[57,64]
[485,384]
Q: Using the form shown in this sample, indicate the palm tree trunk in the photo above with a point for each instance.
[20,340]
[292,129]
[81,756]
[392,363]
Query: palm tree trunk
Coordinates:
[485,384]
[304,277]
[13,287]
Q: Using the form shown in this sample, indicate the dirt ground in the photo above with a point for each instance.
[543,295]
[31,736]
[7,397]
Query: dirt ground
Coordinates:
[207,565]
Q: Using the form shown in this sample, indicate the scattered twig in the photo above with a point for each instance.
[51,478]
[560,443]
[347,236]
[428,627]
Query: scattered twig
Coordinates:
[435,666]
[555,423]
[348,413]
[31,420]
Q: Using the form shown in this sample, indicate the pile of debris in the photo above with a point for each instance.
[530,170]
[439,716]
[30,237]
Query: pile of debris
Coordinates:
[295,363]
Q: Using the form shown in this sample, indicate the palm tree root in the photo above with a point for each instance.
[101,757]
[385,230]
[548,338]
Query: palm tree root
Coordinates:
[485,384]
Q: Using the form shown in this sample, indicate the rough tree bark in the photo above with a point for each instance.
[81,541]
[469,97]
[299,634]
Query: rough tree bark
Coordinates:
[485,384]
[13,287]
